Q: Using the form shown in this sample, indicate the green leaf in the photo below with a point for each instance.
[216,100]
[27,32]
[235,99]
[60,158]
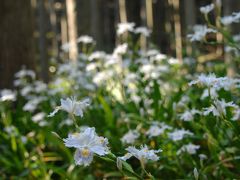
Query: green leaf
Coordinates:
[107,110]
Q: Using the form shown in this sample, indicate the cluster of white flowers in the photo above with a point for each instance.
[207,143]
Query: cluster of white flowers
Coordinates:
[87,144]
[125,27]
[85,39]
[33,103]
[129,27]
[24,73]
[7,95]
[200,32]
[212,81]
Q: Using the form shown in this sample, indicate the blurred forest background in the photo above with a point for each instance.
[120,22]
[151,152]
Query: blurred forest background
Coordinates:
[32,32]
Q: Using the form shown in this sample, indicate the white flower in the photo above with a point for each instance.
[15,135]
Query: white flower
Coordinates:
[40,86]
[87,144]
[226,83]
[218,108]
[186,116]
[213,93]
[72,106]
[142,30]
[147,68]
[189,148]
[102,76]
[179,134]
[152,52]
[142,154]
[135,98]
[130,137]
[202,156]
[26,90]
[195,173]
[24,73]
[67,122]
[159,57]
[32,104]
[236,116]
[85,39]
[173,61]
[125,27]
[205,80]
[38,117]
[212,81]
[183,101]
[189,115]
[7,95]
[97,55]
[234,18]
[66,47]
[156,130]
[24,139]
[207,9]
[120,49]
[91,66]
[11,130]
[200,32]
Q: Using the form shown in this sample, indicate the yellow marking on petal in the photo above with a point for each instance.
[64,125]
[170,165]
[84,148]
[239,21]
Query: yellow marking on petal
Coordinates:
[75,134]
[85,152]
[101,140]
[152,144]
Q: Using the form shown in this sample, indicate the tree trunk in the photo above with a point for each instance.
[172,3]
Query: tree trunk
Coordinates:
[177,29]
[189,21]
[16,39]
[54,29]
[72,29]
[42,40]
[160,32]
[133,9]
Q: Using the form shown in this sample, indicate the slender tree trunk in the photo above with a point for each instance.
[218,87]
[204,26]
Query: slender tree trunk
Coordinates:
[161,26]
[54,29]
[190,20]
[122,11]
[42,40]
[97,21]
[133,9]
[149,13]
[177,29]
[64,34]
[16,39]
[83,17]
[109,16]
[72,29]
